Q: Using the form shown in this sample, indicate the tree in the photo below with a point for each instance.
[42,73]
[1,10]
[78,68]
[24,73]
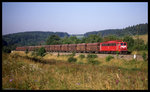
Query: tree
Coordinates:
[53,39]
[74,40]
[130,42]
[6,49]
[139,45]
[110,38]
[27,51]
[65,40]
[93,38]
[41,52]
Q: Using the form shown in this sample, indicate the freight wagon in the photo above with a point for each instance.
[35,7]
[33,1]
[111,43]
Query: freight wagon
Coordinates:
[81,47]
[72,47]
[93,47]
[104,47]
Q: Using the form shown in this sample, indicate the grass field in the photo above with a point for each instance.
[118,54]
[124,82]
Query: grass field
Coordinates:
[20,72]
[144,37]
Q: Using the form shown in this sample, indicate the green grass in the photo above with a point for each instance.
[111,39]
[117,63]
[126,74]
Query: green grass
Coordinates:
[26,74]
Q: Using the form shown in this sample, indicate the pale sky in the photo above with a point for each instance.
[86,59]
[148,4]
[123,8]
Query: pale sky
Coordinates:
[71,17]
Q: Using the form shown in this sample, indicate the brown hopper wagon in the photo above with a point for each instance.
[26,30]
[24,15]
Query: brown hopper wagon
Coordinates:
[81,47]
[52,47]
[57,48]
[47,47]
[72,47]
[31,48]
[64,48]
[93,47]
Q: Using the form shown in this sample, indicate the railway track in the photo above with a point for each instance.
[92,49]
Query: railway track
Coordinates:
[121,56]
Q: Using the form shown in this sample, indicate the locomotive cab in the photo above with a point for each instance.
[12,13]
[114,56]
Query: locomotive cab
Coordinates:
[123,46]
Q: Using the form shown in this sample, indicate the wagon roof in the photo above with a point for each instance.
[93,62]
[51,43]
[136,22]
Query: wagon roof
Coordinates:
[72,44]
[113,41]
[82,44]
[57,45]
[92,43]
[65,45]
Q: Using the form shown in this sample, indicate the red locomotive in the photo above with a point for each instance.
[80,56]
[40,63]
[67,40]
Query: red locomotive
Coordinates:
[104,47]
[113,47]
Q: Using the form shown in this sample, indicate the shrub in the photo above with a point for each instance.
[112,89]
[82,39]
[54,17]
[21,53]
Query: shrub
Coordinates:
[108,58]
[6,50]
[80,62]
[33,53]
[73,53]
[82,56]
[72,59]
[144,56]
[92,56]
[41,52]
[92,61]
[26,51]
[58,54]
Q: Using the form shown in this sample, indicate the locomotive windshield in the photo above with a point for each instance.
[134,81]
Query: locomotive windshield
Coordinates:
[121,43]
[124,43]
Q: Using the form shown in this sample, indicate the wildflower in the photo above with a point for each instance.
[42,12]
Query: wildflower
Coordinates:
[139,73]
[142,79]
[117,81]
[10,80]
[129,77]
[78,83]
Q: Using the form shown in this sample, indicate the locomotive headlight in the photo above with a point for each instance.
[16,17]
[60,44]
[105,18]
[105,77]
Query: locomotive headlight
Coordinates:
[123,47]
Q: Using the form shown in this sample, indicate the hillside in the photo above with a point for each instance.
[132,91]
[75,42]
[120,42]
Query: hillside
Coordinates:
[29,38]
[144,37]
[131,30]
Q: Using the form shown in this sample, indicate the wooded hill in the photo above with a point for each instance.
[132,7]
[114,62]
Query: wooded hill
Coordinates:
[131,30]
[38,37]
[28,38]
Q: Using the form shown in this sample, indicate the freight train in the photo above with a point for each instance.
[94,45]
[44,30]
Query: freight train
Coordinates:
[103,47]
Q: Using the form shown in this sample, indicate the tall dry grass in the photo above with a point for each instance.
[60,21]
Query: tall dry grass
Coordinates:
[22,73]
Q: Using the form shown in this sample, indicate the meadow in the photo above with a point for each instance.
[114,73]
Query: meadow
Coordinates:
[54,72]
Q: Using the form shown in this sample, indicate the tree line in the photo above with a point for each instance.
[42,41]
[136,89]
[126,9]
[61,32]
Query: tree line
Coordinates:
[134,30]
[133,44]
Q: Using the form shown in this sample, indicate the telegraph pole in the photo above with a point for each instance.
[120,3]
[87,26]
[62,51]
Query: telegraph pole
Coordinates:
[135,54]
[137,42]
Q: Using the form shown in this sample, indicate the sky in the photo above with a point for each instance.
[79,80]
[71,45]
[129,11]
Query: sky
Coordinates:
[71,17]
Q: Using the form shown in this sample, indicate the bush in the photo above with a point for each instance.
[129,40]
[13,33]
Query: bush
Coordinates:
[92,56]
[117,53]
[108,58]
[80,62]
[26,51]
[144,56]
[92,61]
[72,59]
[6,50]
[82,56]
[41,52]
[73,54]
[58,54]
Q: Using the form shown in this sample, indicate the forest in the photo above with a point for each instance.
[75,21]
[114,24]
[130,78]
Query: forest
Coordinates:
[131,30]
